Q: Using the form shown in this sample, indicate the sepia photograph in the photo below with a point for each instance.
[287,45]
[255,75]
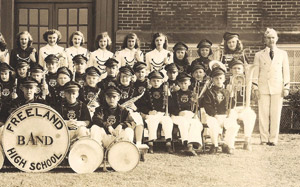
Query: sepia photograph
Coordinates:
[150,93]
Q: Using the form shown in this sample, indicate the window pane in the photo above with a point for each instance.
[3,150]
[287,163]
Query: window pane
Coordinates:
[43,17]
[62,16]
[35,46]
[72,16]
[23,28]
[63,31]
[23,16]
[83,29]
[71,30]
[83,16]
[33,16]
[42,31]
[34,32]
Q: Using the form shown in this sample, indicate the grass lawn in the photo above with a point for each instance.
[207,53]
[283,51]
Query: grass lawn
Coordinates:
[264,166]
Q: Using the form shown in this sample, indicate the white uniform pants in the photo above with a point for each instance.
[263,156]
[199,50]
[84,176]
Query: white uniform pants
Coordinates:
[216,125]
[99,134]
[248,116]
[190,128]
[269,108]
[153,122]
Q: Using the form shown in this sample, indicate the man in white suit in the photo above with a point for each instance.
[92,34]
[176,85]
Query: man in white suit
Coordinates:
[271,84]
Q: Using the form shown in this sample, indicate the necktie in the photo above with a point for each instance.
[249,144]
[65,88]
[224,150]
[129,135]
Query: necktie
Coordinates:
[271,54]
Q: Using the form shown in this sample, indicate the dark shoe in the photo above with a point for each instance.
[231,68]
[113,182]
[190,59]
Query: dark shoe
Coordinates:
[150,144]
[272,144]
[225,148]
[169,147]
[213,150]
[190,150]
[247,146]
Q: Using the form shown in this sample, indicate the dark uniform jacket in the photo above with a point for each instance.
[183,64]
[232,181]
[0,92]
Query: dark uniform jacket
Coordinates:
[79,78]
[181,100]
[56,96]
[18,53]
[127,92]
[76,111]
[7,89]
[108,81]
[202,61]
[87,93]
[215,101]
[105,117]
[20,101]
[51,79]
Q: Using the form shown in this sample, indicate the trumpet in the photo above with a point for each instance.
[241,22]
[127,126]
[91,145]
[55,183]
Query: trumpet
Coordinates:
[198,94]
[166,98]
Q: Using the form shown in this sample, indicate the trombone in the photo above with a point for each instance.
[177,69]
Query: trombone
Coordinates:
[198,94]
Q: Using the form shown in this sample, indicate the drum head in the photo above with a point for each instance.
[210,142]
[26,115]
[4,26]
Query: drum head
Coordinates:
[35,138]
[123,156]
[85,155]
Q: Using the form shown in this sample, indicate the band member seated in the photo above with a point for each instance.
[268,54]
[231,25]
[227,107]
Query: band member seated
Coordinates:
[29,88]
[37,72]
[140,71]
[80,64]
[244,113]
[7,90]
[172,73]
[74,111]
[56,94]
[216,101]
[198,75]
[52,66]
[204,51]
[111,120]
[154,109]
[187,120]
[181,56]
[89,94]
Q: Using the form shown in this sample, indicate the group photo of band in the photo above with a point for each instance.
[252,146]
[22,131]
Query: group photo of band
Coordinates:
[134,98]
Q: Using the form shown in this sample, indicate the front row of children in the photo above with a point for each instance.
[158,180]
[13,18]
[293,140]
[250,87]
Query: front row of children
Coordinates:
[155,104]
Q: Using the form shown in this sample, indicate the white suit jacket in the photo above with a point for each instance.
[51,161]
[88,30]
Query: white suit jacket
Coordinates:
[271,76]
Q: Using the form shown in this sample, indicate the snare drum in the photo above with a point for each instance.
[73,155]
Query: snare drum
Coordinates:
[123,156]
[85,155]
[35,138]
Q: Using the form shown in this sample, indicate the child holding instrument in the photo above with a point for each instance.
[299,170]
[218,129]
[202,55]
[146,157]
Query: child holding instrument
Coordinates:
[184,116]
[155,108]
[37,73]
[102,53]
[24,50]
[218,106]
[80,62]
[112,120]
[52,37]
[76,41]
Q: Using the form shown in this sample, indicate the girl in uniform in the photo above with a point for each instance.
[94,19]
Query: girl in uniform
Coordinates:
[76,41]
[52,37]
[130,52]
[181,56]
[101,54]
[24,50]
[4,55]
[204,51]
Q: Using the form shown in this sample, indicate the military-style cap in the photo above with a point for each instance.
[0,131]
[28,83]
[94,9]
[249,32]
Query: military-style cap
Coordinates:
[66,71]
[139,65]
[171,67]
[196,67]
[183,77]
[126,70]
[79,58]
[51,58]
[112,90]
[111,62]
[4,66]
[36,68]
[92,71]
[29,82]
[71,86]
[205,43]
[216,72]
[180,46]
[21,64]
[156,75]
[229,35]
[234,62]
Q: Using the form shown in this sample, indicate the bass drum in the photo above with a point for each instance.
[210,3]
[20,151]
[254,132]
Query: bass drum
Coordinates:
[85,155]
[123,156]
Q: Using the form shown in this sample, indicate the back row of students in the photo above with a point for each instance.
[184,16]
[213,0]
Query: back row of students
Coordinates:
[60,88]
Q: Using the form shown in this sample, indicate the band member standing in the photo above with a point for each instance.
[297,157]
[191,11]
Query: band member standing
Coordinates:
[110,119]
[271,81]
[218,107]
[187,120]
[154,109]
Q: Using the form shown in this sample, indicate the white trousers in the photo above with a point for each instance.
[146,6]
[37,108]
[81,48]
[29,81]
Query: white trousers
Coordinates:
[248,116]
[269,108]
[99,134]
[153,122]
[216,125]
[190,128]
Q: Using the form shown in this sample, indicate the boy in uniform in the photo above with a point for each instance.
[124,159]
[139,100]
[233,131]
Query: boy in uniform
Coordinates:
[112,120]
[172,73]
[52,66]
[37,72]
[217,106]
[80,63]
[154,107]
[187,120]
